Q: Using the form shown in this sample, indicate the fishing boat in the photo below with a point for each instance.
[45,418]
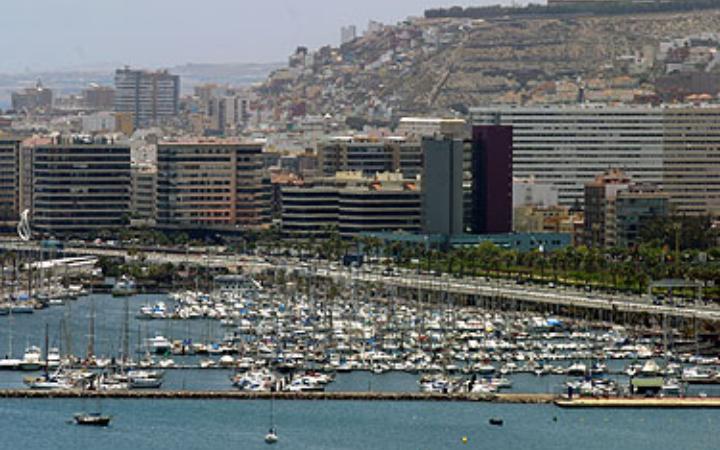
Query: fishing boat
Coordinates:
[92,419]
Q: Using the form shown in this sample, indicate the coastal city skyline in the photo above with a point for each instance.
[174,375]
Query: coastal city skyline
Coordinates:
[424,226]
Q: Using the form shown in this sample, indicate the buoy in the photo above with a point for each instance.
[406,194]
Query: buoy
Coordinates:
[464,440]
[555,419]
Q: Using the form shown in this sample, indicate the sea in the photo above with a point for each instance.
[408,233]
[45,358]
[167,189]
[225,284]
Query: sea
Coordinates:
[242,424]
[337,425]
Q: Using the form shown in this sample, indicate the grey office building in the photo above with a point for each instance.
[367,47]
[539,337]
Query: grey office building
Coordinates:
[442,186]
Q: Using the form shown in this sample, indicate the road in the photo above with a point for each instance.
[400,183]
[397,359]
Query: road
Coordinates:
[409,279]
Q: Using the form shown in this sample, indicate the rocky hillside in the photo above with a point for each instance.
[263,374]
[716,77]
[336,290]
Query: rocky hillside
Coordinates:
[431,65]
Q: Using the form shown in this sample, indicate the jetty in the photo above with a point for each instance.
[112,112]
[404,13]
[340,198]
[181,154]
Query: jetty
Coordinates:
[305,396]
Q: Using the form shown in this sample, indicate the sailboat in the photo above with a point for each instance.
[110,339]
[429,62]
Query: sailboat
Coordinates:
[271,437]
[96,419]
[10,363]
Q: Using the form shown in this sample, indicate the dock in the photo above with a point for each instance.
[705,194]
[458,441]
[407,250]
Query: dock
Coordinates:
[641,403]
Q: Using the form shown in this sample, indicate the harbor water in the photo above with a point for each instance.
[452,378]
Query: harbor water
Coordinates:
[195,425]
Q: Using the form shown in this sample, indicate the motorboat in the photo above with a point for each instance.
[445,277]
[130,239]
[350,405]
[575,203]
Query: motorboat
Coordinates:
[92,419]
[32,360]
[124,287]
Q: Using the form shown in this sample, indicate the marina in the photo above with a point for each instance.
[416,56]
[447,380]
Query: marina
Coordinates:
[304,337]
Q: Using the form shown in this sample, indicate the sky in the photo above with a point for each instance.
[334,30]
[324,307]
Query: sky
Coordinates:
[70,34]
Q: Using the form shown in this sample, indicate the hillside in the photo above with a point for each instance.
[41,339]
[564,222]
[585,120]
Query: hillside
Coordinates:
[430,65]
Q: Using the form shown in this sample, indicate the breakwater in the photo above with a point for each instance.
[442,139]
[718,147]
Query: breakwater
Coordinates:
[306,396]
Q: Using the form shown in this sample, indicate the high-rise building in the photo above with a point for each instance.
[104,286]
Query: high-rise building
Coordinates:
[442,186]
[568,146]
[691,160]
[674,147]
[9,179]
[79,185]
[492,179]
[149,96]
[212,183]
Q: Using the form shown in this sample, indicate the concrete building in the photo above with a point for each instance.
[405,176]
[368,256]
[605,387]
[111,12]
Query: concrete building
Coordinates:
[143,207]
[99,98]
[351,204]
[99,122]
[387,204]
[34,99]
[442,186]
[674,147]
[371,156]
[600,207]
[691,160]
[419,127]
[212,184]
[549,219]
[79,185]
[150,97]
[636,207]
[9,180]
[348,34]
[492,179]
[309,210]
[568,146]
[528,192]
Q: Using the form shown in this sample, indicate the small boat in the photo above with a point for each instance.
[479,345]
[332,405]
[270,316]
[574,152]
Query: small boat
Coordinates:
[271,437]
[496,421]
[92,419]
[124,287]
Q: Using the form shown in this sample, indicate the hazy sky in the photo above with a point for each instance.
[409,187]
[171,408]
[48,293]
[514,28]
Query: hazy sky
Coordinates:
[52,34]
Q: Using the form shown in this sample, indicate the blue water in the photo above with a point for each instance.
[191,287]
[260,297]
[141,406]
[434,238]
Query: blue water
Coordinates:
[179,425]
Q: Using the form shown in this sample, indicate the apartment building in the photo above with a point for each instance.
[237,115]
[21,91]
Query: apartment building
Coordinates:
[78,184]
[9,179]
[212,183]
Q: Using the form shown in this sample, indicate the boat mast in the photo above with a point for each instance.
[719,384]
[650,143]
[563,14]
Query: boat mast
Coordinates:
[47,356]
[126,333]
[91,335]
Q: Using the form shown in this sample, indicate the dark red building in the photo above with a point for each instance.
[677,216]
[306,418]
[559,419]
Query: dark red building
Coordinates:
[492,179]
